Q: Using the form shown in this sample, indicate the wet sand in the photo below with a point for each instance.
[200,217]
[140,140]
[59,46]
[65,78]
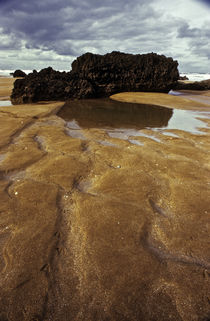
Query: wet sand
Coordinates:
[164,100]
[99,227]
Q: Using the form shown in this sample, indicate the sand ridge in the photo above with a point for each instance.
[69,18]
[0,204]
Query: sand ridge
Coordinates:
[164,100]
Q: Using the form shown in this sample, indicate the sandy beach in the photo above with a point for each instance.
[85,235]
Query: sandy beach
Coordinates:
[6,85]
[99,223]
[189,100]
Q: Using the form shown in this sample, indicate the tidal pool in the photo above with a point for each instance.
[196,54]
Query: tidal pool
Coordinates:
[123,120]
[187,120]
[5,103]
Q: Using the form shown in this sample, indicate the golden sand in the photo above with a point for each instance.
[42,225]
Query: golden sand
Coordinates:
[164,100]
[6,85]
[102,232]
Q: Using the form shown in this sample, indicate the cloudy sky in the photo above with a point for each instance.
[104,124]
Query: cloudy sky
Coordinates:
[38,33]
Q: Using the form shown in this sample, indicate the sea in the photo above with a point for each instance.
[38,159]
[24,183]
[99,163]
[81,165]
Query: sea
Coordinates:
[191,76]
[196,76]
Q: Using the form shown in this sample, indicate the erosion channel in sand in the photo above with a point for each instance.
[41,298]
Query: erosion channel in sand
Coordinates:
[104,212]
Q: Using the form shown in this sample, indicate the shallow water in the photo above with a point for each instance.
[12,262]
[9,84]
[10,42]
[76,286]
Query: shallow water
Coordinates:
[195,96]
[5,103]
[187,120]
[127,120]
[107,113]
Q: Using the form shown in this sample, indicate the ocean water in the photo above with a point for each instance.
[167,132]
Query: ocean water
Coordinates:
[196,76]
[191,76]
[7,73]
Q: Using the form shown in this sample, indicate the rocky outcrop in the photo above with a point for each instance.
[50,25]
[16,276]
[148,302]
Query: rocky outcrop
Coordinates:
[19,73]
[206,84]
[48,84]
[197,85]
[118,72]
[99,76]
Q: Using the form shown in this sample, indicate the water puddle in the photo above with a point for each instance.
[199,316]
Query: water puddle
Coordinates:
[106,143]
[73,124]
[188,120]
[75,133]
[126,134]
[40,140]
[193,95]
[136,142]
[2,157]
[107,113]
[128,120]
[5,103]
[169,134]
[16,175]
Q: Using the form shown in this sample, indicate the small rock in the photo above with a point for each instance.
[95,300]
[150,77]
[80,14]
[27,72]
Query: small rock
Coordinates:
[19,73]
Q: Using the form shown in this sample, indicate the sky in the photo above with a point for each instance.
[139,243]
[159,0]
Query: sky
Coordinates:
[35,34]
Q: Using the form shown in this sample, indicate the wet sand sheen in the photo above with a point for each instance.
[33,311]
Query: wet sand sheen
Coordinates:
[100,228]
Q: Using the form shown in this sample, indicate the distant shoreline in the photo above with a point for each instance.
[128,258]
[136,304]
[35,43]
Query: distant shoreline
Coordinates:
[192,76]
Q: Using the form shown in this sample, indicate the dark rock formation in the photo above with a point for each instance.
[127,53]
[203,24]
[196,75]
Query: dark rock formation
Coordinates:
[99,76]
[197,85]
[206,84]
[183,78]
[19,73]
[47,84]
[117,72]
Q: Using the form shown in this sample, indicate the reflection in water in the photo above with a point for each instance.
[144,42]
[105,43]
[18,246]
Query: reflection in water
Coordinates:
[188,120]
[107,113]
[5,103]
[126,120]
[126,134]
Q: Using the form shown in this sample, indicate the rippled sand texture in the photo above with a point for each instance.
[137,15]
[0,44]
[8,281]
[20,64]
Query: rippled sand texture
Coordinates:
[94,227]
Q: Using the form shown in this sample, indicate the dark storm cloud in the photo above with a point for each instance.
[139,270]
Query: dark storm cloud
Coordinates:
[206,2]
[56,25]
[58,31]
[185,31]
